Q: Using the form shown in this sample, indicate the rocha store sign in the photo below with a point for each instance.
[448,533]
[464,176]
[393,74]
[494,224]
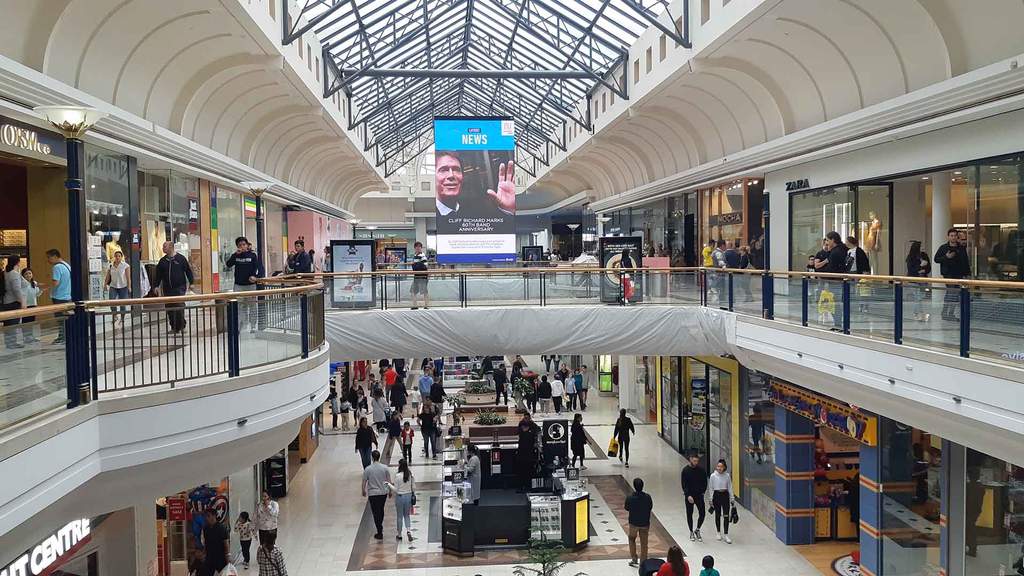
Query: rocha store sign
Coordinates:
[60,544]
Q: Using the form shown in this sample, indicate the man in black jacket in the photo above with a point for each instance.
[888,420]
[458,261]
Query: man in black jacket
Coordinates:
[173,277]
[500,379]
[487,369]
[639,505]
[694,480]
[299,261]
[248,268]
[834,264]
[953,263]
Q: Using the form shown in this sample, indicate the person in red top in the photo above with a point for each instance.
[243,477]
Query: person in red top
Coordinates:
[676,565]
[390,377]
[407,436]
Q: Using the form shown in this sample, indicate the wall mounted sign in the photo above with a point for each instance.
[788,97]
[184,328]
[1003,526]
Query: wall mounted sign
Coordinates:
[193,211]
[58,546]
[725,219]
[177,507]
[21,137]
[826,412]
[798,184]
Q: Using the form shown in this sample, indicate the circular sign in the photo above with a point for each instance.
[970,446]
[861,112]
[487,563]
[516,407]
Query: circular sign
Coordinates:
[556,431]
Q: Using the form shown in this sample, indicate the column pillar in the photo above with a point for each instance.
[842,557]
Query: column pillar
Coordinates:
[942,217]
[794,477]
[261,248]
[144,514]
[870,508]
[421,230]
[627,382]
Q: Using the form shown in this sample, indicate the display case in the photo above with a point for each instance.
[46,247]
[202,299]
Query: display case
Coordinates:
[459,369]
[275,474]
[545,517]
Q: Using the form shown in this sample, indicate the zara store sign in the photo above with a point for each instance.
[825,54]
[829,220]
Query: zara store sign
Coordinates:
[60,544]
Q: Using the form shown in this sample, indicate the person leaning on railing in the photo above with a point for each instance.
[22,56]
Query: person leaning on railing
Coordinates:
[954,264]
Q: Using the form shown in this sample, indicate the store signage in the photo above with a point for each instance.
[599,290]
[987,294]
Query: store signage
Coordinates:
[58,545]
[27,138]
[555,432]
[725,219]
[826,412]
[193,210]
[177,509]
[798,184]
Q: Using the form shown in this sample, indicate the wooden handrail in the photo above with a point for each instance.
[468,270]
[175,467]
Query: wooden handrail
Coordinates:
[36,311]
[989,284]
[204,297]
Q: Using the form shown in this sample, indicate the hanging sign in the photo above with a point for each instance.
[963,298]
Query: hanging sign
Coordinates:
[177,509]
[20,137]
[49,553]
[826,412]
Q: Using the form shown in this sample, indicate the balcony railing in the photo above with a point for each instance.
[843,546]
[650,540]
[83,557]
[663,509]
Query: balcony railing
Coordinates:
[965,317]
[64,355]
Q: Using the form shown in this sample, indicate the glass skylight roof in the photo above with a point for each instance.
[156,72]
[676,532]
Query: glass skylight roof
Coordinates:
[396,60]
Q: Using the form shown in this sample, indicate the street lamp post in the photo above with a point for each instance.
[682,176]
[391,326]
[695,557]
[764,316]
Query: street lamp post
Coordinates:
[258,189]
[73,122]
[355,224]
[572,236]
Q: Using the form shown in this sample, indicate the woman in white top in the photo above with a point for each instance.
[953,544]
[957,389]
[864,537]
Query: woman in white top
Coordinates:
[557,394]
[404,489]
[266,515]
[118,281]
[32,292]
[720,484]
[14,299]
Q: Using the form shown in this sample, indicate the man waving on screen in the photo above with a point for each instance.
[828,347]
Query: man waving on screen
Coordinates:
[448,178]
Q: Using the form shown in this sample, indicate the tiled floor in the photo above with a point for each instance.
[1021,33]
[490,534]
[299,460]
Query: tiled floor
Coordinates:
[322,516]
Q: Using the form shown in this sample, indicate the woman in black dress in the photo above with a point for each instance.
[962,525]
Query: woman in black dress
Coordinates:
[577,440]
[624,429]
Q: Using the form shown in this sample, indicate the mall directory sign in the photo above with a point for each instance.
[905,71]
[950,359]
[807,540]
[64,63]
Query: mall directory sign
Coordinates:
[474,189]
[353,256]
[620,252]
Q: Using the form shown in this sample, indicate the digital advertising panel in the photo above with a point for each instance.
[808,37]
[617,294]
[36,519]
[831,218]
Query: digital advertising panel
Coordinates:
[474,189]
[353,256]
[621,252]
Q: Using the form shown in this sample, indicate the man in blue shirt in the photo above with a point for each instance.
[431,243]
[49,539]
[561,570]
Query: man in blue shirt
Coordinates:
[426,382]
[61,291]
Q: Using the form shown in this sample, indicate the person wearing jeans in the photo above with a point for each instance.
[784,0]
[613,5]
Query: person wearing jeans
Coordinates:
[376,478]
[60,293]
[118,282]
[428,427]
[639,506]
[248,269]
[365,438]
[404,488]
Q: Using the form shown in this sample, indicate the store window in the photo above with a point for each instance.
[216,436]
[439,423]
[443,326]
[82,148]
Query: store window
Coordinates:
[671,401]
[108,206]
[276,252]
[994,507]
[169,203]
[911,498]
[758,428]
[696,401]
[873,225]
[719,415]
[999,245]
[229,227]
[722,213]
[814,214]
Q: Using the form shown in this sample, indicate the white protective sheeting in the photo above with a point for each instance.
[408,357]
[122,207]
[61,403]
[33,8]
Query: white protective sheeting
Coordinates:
[632,330]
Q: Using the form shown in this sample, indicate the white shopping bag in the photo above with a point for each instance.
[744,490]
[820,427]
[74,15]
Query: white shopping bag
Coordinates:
[229,570]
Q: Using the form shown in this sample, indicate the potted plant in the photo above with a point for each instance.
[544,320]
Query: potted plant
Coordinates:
[489,418]
[546,554]
[479,392]
[521,387]
[455,401]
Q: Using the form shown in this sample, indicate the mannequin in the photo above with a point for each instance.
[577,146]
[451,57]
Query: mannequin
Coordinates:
[873,242]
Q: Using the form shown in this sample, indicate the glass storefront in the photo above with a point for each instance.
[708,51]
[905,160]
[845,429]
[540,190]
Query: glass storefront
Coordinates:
[722,213]
[757,467]
[169,204]
[670,376]
[994,515]
[276,253]
[719,415]
[813,214]
[229,226]
[911,469]
[108,204]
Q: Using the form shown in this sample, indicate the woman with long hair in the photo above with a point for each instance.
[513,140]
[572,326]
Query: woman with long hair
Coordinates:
[720,484]
[675,565]
[624,430]
[577,440]
[366,439]
[405,490]
[918,266]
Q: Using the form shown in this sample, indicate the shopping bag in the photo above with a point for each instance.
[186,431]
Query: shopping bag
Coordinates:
[734,516]
[826,303]
[627,287]
[613,447]
[229,570]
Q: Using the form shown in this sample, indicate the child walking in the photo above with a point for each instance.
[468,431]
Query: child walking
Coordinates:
[246,531]
[407,435]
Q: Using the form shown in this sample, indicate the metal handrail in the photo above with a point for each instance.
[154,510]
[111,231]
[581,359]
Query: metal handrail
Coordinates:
[36,311]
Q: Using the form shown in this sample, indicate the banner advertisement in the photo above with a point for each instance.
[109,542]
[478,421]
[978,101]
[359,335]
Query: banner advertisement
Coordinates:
[353,256]
[533,254]
[394,255]
[474,189]
[621,252]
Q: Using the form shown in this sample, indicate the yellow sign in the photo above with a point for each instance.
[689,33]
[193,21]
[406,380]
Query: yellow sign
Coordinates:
[826,412]
[582,520]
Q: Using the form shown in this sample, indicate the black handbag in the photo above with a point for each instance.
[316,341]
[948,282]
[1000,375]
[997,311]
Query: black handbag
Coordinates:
[734,516]
[413,498]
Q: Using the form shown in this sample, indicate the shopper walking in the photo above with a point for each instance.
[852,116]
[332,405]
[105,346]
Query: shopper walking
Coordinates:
[247,269]
[517,367]
[390,378]
[709,566]
[531,394]
[335,404]
[487,369]
[32,292]
[117,282]
[675,564]
[577,440]
[404,489]
[13,300]
[266,516]
[953,264]
[394,430]
[376,478]
[918,266]
[639,505]
[720,484]
[427,419]
[500,380]
[583,386]
[378,410]
[349,407]
[245,530]
[420,278]
[857,261]
[570,391]
[407,440]
[694,481]
[557,394]
[269,558]
[366,440]
[544,392]
[173,278]
[624,430]
[437,393]
[60,293]
[399,396]
[216,542]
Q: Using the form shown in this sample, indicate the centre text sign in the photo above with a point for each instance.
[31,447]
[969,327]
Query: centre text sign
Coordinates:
[60,544]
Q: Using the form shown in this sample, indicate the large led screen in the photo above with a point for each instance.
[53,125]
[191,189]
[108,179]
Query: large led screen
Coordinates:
[474,190]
